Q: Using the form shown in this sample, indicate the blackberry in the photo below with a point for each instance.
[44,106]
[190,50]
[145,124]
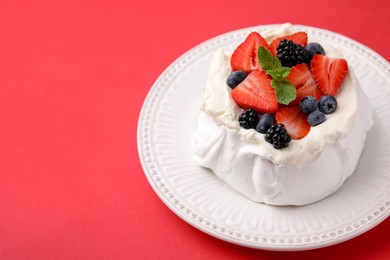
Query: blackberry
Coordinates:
[248,119]
[290,53]
[277,135]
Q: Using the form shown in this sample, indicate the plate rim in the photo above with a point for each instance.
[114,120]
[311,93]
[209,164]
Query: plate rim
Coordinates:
[207,227]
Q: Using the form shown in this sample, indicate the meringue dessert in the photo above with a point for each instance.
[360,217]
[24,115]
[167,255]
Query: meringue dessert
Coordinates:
[283,119]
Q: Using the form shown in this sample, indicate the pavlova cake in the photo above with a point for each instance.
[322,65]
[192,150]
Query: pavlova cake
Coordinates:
[283,119]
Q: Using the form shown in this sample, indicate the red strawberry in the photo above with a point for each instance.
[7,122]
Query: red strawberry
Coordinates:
[298,37]
[294,120]
[301,77]
[245,56]
[329,73]
[256,92]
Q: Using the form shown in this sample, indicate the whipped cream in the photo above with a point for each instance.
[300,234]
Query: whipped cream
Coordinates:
[307,170]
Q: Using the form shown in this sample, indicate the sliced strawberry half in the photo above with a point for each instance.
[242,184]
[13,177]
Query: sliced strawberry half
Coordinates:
[300,76]
[245,56]
[328,72]
[298,37]
[294,120]
[256,92]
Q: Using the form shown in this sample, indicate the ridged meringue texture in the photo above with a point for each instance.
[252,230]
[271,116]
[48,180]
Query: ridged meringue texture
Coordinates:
[307,170]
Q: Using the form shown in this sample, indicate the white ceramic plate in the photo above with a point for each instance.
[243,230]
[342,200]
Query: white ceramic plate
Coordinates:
[165,126]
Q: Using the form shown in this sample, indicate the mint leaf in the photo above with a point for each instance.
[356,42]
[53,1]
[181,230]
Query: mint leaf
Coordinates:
[284,90]
[279,73]
[267,60]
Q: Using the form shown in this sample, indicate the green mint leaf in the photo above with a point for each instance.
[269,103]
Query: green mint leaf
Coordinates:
[284,72]
[267,60]
[284,90]
[279,73]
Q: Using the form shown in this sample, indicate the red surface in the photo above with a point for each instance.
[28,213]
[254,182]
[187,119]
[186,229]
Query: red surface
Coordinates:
[73,77]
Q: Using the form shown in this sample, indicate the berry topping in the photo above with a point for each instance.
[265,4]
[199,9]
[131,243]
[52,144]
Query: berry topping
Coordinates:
[277,135]
[300,76]
[235,78]
[298,38]
[256,92]
[329,73]
[308,104]
[327,104]
[248,119]
[294,120]
[314,48]
[316,118]
[265,122]
[245,56]
[290,53]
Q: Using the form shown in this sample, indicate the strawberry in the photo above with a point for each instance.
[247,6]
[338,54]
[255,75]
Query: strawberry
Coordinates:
[256,92]
[300,76]
[294,120]
[245,56]
[328,72]
[298,37]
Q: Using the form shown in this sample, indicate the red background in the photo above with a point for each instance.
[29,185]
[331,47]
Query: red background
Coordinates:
[73,77]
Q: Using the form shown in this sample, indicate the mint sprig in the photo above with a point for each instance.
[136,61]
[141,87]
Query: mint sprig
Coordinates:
[267,60]
[279,73]
[284,90]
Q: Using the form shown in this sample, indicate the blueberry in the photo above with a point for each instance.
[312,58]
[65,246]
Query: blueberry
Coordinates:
[314,48]
[316,118]
[308,104]
[265,122]
[235,78]
[327,104]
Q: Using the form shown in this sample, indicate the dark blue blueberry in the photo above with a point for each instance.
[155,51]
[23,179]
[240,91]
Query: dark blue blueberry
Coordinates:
[316,118]
[314,48]
[265,122]
[235,78]
[327,104]
[308,104]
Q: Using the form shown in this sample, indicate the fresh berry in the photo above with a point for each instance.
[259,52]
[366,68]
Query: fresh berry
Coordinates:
[314,48]
[316,118]
[278,136]
[308,104]
[248,119]
[256,92]
[298,38]
[290,53]
[245,56]
[265,122]
[294,120]
[235,78]
[327,104]
[300,76]
[329,73]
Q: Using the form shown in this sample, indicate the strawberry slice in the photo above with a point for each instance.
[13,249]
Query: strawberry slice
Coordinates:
[298,37]
[328,72]
[256,92]
[300,76]
[294,120]
[245,56]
